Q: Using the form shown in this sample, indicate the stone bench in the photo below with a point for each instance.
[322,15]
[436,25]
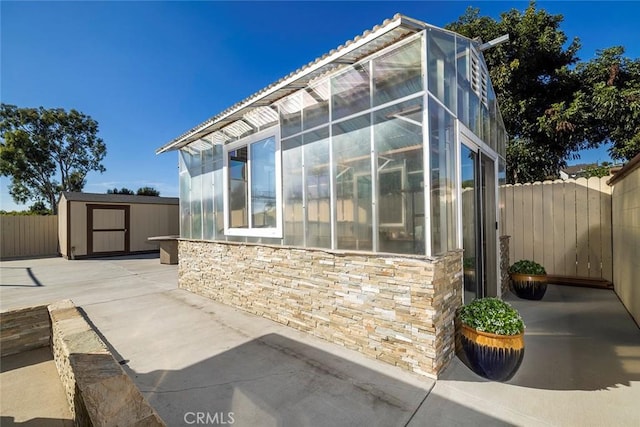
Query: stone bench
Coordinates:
[168,248]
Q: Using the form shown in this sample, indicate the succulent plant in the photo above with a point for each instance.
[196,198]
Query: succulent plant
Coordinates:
[526,266]
[492,315]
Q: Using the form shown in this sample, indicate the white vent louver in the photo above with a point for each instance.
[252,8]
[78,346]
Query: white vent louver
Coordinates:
[479,77]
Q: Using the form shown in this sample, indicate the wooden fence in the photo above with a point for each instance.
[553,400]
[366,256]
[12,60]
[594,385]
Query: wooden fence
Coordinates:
[563,225]
[28,235]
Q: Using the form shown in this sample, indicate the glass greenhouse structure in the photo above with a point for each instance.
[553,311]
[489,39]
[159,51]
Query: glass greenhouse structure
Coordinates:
[391,143]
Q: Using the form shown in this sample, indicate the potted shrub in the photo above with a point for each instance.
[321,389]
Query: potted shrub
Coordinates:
[491,338]
[528,279]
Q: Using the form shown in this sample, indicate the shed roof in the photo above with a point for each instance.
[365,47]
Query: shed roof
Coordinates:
[371,41]
[118,198]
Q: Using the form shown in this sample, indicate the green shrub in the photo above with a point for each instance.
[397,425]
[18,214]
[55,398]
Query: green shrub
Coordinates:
[492,315]
[525,266]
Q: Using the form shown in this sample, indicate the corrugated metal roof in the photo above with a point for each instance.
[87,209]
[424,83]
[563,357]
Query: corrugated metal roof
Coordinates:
[381,36]
[118,198]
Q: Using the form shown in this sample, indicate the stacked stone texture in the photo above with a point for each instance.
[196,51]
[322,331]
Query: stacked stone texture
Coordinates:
[98,391]
[24,329]
[398,309]
[504,264]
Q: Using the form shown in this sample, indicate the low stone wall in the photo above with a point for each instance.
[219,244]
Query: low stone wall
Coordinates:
[99,392]
[24,329]
[399,309]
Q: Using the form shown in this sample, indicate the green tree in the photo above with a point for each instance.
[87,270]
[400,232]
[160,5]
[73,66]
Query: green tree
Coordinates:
[39,208]
[147,191]
[552,104]
[123,190]
[47,151]
[598,171]
[530,74]
[606,107]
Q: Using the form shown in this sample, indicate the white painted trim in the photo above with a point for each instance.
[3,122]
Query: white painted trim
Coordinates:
[275,232]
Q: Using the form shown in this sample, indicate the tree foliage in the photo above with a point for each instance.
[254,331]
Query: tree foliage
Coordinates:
[123,190]
[47,151]
[147,191]
[552,104]
[142,191]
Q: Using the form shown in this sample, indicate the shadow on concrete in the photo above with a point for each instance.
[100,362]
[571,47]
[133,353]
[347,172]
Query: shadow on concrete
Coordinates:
[26,358]
[274,380]
[35,422]
[576,339]
[142,255]
[34,279]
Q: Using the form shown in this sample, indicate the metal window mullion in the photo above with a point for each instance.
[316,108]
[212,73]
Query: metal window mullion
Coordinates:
[374,168]
[458,184]
[202,214]
[304,193]
[425,153]
[248,193]
[333,205]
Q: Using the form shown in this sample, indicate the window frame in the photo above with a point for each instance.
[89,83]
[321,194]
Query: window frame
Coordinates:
[273,232]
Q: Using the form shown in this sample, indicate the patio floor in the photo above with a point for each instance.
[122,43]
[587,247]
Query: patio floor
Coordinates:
[189,354]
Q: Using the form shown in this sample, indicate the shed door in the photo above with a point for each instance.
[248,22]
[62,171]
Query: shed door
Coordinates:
[107,229]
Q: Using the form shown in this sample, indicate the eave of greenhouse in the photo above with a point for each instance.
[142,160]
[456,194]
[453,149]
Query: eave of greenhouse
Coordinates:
[256,110]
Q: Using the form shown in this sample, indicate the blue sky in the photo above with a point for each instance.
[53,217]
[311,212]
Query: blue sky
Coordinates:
[148,71]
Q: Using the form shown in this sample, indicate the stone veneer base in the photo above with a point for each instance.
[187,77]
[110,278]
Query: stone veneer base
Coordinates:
[395,308]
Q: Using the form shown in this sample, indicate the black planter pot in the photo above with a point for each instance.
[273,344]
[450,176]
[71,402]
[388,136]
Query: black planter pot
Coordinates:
[495,357]
[529,286]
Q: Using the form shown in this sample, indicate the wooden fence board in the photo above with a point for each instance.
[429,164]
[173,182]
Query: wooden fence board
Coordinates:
[564,225]
[527,223]
[569,244]
[28,235]
[538,221]
[582,228]
[607,233]
[548,225]
[595,230]
[558,241]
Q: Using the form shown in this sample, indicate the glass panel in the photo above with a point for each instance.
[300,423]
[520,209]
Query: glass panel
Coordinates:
[291,115]
[441,57]
[493,125]
[292,191]
[398,139]
[475,117]
[207,192]
[350,91]
[502,181]
[208,231]
[468,161]
[316,105]
[263,183]
[398,73]
[464,86]
[238,189]
[352,158]
[218,191]
[184,158]
[318,191]
[489,244]
[442,150]
[195,170]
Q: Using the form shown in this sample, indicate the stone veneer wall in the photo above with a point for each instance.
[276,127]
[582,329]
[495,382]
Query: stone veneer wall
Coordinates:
[24,329]
[399,309]
[504,264]
[98,391]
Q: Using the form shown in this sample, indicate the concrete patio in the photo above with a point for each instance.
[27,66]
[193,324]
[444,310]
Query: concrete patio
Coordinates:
[190,355]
